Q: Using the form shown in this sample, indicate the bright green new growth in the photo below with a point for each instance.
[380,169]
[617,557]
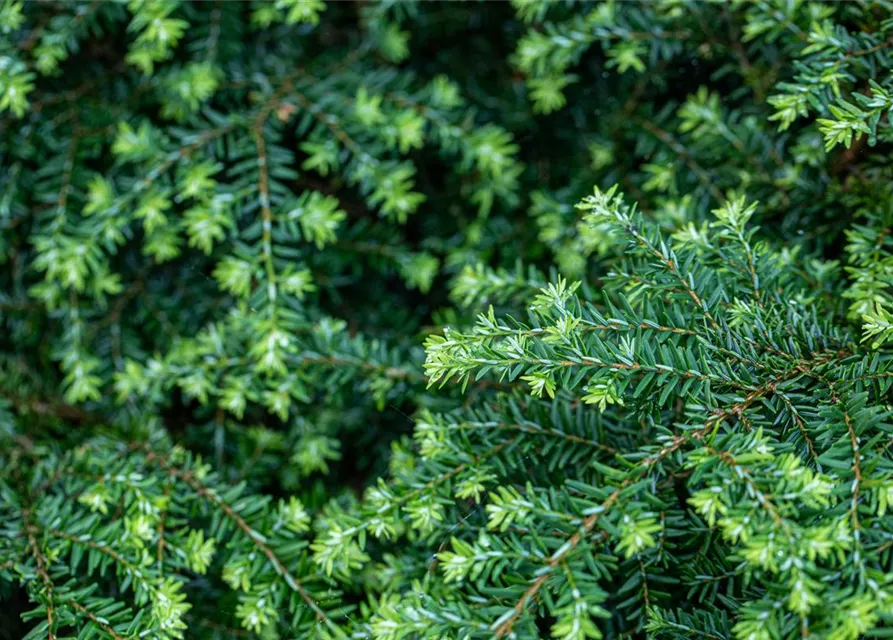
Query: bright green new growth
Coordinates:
[314,326]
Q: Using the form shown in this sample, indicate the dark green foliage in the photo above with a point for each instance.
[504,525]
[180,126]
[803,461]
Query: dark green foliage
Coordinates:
[314,326]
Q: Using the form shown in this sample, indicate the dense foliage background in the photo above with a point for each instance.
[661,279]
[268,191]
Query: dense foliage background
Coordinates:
[305,334]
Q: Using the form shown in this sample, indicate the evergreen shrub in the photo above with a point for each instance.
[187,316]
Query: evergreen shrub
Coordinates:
[406,320]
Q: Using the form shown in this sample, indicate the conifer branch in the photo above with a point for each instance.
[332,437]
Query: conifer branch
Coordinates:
[42,570]
[94,619]
[203,492]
